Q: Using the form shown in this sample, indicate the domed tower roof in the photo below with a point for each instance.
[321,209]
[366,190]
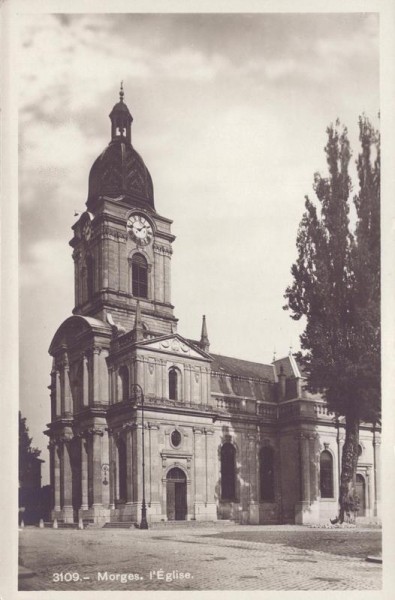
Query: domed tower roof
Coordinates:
[120,170]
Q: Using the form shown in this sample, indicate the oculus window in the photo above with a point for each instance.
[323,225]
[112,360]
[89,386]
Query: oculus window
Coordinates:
[176,438]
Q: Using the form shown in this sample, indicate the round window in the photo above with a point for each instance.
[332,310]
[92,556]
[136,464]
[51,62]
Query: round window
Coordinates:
[176,438]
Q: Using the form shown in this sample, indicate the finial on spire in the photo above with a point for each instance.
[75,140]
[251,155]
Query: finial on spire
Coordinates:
[121,92]
[274,355]
[290,350]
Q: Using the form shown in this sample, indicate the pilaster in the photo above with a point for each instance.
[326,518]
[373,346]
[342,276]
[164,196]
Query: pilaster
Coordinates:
[84,473]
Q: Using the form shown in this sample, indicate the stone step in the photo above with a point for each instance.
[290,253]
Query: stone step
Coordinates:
[62,525]
[190,524]
[120,525]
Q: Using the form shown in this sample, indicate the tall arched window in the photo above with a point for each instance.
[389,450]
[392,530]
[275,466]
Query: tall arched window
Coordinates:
[173,384]
[266,474]
[326,474]
[228,472]
[124,377]
[139,276]
[89,276]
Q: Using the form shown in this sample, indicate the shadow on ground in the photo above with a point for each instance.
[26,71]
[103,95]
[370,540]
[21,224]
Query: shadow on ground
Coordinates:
[358,545]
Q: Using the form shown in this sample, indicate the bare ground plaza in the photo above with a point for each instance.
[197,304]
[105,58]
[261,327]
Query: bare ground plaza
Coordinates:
[202,557]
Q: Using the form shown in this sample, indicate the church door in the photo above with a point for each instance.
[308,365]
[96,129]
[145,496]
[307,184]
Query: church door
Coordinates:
[176,496]
[360,489]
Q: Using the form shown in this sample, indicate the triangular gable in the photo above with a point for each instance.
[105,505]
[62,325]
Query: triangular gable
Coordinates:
[174,344]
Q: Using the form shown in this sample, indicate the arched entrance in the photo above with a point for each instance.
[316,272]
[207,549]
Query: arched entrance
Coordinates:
[176,495]
[360,490]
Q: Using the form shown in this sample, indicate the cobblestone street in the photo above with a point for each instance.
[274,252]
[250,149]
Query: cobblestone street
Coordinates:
[201,558]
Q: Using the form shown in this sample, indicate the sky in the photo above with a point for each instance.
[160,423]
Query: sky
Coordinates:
[230,115]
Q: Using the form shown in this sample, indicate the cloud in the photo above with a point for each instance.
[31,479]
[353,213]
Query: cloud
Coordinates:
[46,262]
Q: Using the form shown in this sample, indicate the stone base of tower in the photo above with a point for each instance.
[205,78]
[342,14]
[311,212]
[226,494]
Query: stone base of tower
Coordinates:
[63,515]
[97,514]
[204,511]
[307,513]
[125,512]
[253,514]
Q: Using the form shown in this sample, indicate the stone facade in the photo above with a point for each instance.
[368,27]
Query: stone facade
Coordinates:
[223,438]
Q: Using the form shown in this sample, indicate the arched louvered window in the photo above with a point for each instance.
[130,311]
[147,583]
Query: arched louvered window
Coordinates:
[173,384]
[124,377]
[266,474]
[139,276]
[326,474]
[228,472]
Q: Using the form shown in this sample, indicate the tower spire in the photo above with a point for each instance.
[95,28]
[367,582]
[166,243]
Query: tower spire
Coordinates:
[121,120]
[204,341]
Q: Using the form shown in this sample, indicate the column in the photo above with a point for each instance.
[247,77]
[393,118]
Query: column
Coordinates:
[105,469]
[85,381]
[96,462]
[163,379]
[103,377]
[96,378]
[129,466]
[56,472]
[84,474]
[187,385]
[58,392]
[166,260]
[369,493]
[305,470]
[314,462]
[116,471]
[67,390]
[158,293]
[67,483]
[105,269]
[199,485]
[111,452]
[110,386]
[136,466]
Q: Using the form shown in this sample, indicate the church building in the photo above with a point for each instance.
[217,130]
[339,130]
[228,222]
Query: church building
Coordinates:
[139,412]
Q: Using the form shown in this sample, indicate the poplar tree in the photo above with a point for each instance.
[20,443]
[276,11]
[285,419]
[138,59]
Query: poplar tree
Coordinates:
[336,288]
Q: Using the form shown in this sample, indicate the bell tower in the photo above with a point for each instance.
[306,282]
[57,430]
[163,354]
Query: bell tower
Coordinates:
[122,247]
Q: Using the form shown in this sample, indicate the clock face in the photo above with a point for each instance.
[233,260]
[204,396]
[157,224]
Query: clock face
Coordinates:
[139,229]
[86,230]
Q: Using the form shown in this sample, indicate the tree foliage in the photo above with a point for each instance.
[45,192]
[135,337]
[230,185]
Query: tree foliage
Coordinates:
[26,452]
[336,287]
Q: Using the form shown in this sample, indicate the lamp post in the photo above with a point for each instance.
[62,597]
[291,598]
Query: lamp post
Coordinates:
[138,393]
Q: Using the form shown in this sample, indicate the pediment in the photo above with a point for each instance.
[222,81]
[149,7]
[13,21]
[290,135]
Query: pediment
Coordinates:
[175,344]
